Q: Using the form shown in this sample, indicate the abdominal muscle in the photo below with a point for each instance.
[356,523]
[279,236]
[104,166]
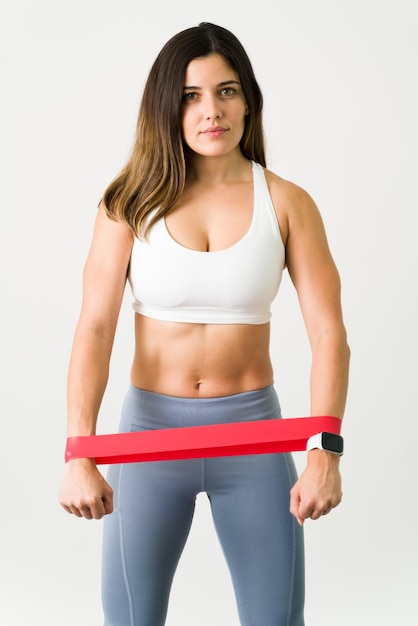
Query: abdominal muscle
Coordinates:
[200,360]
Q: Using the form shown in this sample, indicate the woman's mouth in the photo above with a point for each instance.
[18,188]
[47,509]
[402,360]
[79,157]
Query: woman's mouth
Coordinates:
[214,131]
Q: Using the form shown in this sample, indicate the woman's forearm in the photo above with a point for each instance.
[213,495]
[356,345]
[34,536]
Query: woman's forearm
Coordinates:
[329,374]
[87,379]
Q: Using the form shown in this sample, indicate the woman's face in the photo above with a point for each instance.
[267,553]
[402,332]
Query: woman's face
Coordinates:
[214,107]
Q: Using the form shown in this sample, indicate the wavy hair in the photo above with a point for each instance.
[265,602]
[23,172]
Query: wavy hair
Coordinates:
[155,174]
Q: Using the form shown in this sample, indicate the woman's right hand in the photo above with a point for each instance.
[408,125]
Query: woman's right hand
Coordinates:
[84,492]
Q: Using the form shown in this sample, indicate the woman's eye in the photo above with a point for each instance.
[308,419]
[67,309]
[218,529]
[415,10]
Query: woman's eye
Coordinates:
[189,96]
[227,91]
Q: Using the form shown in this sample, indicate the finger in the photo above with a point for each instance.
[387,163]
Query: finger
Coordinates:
[333,505]
[294,506]
[95,509]
[307,510]
[87,514]
[316,514]
[74,510]
[85,511]
[81,509]
[104,505]
[298,518]
[319,509]
[108,504]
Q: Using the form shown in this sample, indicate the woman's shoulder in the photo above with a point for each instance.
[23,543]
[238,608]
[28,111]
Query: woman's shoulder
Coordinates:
[294,207]
[286,192]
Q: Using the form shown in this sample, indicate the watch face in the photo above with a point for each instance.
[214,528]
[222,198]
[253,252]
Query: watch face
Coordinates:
[334,443]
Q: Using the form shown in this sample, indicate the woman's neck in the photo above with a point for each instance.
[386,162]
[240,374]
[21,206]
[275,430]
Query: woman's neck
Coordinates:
[231,167]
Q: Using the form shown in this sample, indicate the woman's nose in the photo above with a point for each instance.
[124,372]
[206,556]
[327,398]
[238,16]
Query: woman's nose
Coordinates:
[213,110]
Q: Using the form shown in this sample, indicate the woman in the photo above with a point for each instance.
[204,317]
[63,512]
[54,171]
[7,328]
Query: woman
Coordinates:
[203,232]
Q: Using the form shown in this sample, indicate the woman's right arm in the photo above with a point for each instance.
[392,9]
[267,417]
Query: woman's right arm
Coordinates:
[84,492]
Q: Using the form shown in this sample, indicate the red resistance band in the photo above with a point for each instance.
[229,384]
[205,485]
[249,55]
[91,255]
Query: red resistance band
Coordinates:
[232,439]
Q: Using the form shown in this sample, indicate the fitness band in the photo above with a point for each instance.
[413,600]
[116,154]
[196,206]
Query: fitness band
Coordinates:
[213,440]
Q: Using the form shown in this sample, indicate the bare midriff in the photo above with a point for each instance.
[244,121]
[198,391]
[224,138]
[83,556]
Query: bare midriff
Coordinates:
[200,360]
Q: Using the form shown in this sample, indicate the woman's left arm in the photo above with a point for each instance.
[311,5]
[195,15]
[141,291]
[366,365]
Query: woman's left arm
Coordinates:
[317,282]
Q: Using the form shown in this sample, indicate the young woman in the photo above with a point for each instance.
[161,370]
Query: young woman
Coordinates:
[203,232]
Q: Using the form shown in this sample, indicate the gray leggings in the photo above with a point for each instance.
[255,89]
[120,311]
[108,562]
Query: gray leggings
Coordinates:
[154,504]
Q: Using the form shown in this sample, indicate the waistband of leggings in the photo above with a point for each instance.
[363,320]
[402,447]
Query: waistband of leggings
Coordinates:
[165,411]
[242,396]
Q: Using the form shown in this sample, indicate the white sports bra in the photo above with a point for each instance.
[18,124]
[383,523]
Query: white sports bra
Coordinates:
[235,285]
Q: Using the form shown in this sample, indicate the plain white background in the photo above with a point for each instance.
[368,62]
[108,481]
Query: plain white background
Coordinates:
[340,86]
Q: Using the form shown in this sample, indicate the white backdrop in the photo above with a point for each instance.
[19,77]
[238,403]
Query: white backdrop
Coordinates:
[340,85]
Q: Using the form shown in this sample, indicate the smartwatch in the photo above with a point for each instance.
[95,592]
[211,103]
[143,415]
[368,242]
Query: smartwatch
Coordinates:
[326,441]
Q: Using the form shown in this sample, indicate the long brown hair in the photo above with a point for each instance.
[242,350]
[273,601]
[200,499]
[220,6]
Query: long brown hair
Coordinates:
[155,174]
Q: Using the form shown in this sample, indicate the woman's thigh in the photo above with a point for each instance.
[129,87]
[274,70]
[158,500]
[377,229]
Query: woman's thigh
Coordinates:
[144,536]
[262,542]
[143,539]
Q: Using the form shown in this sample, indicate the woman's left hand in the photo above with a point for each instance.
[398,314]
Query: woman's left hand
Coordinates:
[318,490]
